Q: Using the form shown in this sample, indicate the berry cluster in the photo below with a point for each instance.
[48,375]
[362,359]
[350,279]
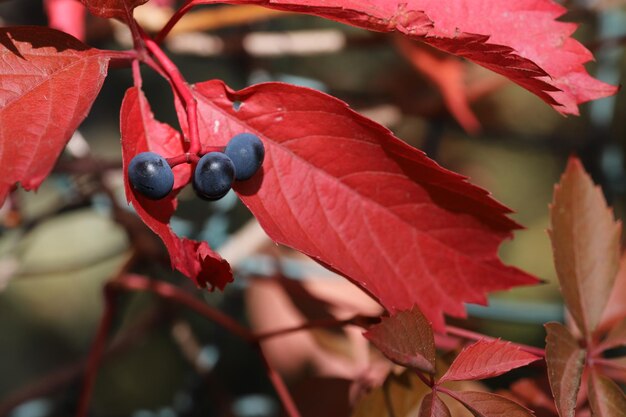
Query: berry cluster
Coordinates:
[151,175]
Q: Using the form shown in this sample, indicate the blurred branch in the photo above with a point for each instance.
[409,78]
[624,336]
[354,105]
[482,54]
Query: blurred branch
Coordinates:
[66,374]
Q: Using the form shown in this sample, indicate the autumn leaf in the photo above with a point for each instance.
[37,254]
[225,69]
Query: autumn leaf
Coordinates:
[343,190]
[486,359]
[433,406]
[119,9]
[48,82]
[485,404]
[606,397]
[406,338]
[565,361]
[521,40]
[141,133]
[586,245]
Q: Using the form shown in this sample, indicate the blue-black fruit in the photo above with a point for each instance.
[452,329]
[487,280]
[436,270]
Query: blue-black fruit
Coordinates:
[150,174]
[213,176]
[247,152]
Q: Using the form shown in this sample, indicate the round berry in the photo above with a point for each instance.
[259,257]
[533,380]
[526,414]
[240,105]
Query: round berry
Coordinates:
[213,176]
[247,152]
[150,174]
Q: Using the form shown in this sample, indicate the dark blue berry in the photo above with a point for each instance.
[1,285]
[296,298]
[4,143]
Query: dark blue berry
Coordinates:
[213,176]
[247,152]
[150,174]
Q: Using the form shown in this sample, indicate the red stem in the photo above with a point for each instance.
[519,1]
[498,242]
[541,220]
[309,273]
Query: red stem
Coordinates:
[325,323]
[427,382]
[279,386]
[137,80]
[185,158]
[95,354]
[173,20]
[470,335]
[167,291]
[181,88]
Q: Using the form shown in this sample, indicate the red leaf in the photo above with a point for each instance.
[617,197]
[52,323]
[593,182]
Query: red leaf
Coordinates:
[66,15]
[606,397]
[586,245]
[485,404]
[433,406]
[486,359]
[48,82]
[565,361]
[343,190]
[406,339]
[120,9]
[140,133]
[521,40]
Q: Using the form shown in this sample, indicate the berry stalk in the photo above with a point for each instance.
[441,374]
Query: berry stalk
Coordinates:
[181,88]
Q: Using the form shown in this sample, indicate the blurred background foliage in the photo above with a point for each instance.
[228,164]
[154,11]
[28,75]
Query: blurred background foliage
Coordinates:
[59,245]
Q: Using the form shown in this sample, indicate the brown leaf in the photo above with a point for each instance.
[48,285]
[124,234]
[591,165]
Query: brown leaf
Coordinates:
[433,406]
[606,397]
[565,361]
[485,404]
[406,339]
[586,245]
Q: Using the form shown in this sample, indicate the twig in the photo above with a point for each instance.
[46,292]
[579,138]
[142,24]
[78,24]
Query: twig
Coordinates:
[95,354]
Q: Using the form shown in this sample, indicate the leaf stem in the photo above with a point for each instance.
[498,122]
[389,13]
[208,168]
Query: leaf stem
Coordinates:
[188,5]
[181,88]
[429,382]
[470,335]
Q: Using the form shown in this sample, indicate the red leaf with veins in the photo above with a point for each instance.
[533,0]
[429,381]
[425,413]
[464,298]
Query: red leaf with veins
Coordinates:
[48,82]
[120,9]
[486,359]
[343,190]
[521,40]
[141,133]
